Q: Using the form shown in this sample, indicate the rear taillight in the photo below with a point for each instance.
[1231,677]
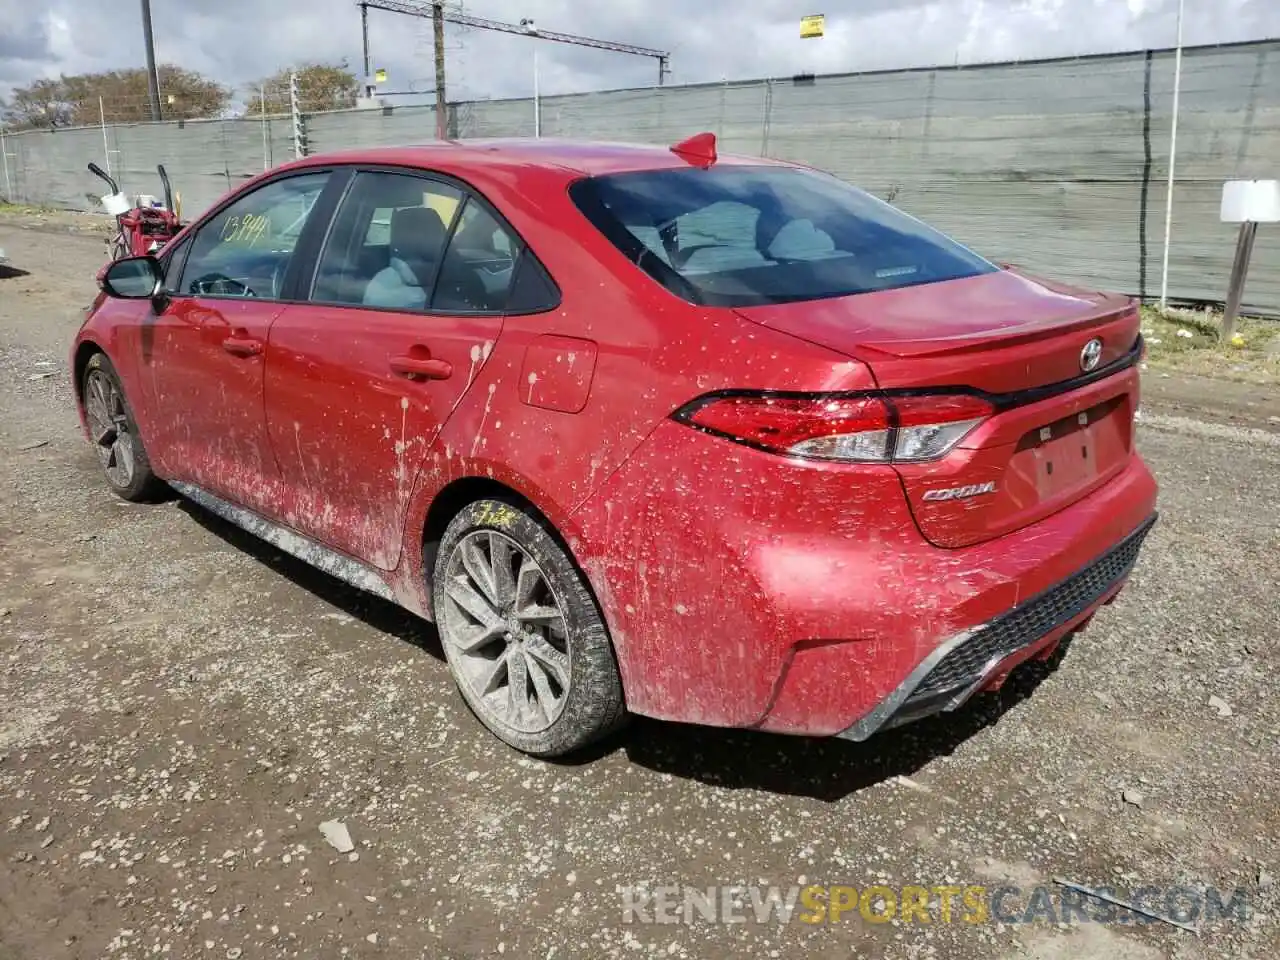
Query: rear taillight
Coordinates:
[860,429]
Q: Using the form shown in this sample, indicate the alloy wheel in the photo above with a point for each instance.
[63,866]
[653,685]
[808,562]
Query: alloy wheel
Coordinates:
[504,630]
[109,427]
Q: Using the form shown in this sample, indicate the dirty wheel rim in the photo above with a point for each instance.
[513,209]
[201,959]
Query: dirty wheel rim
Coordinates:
[109,427]
[505,633]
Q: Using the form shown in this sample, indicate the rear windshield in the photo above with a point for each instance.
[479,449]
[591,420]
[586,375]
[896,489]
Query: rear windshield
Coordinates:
[740,236]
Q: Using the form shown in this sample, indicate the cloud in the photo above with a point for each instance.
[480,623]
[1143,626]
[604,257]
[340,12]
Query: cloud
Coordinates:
[237,41]
[24,45]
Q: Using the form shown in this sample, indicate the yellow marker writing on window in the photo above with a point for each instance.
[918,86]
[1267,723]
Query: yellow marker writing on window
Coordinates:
[246,230]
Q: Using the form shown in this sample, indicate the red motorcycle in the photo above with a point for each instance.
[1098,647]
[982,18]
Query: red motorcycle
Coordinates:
[141,229]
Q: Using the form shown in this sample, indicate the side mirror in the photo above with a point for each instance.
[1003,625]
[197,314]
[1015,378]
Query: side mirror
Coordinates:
[133,278]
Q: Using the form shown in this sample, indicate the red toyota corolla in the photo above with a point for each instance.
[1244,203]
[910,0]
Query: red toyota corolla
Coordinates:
[644,431]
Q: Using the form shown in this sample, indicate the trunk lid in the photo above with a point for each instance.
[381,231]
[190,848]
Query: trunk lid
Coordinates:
[999,332]
[1060,431]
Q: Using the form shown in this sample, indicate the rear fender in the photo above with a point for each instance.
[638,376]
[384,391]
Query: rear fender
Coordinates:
[448,468]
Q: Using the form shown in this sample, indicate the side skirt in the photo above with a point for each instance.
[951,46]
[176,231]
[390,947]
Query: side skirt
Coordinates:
[337,565]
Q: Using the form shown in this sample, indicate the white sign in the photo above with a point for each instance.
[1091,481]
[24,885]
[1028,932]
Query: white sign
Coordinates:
[1256,201]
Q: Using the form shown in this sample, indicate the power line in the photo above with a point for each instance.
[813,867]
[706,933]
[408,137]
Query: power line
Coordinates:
[438,14]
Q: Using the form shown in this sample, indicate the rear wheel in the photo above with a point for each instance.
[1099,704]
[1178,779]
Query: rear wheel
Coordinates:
[524,640]
[114,433]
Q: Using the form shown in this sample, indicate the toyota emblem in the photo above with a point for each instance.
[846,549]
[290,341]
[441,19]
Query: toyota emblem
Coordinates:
[1090,355]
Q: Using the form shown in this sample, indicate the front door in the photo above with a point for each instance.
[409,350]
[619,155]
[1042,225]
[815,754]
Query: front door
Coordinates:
[400,321]
[206,351]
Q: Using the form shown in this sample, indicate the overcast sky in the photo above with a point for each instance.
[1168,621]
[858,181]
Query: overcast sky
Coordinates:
[236,41]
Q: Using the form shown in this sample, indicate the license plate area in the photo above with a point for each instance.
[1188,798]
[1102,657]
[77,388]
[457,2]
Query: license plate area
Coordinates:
[1072,452]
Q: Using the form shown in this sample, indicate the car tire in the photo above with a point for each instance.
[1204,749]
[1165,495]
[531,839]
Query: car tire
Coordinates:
[521,631]
[114,434]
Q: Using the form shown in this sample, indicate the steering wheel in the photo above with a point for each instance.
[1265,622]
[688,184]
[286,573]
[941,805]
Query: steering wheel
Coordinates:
[218,284]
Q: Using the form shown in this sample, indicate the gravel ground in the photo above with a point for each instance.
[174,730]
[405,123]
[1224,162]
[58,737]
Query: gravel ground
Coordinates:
[183,707]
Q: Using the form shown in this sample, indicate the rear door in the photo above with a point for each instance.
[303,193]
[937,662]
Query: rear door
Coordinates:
[361,378]
[203,354]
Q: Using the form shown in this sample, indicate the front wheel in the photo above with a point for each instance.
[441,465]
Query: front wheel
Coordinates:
[520,629]
[114,433]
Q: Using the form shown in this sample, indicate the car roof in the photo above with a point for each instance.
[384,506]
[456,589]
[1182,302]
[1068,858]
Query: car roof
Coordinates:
[576,157]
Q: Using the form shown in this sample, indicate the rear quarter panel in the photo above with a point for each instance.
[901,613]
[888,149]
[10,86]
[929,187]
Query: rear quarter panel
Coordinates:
[652,354]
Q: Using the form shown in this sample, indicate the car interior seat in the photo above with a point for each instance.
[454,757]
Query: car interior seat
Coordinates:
[417,242]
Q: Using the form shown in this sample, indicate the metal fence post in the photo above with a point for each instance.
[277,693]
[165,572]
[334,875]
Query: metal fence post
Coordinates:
[766,113]
[1239,271]
[266,128]
[4,155]
[1173,152]
[299,127]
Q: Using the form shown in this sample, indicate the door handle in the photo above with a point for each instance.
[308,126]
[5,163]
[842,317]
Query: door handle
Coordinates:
[242,346]
[420,365]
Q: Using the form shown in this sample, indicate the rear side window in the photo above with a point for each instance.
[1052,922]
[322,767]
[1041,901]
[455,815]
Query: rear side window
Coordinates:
[478,266]
[532,289]
[387,242]
[748,236]
[418,244]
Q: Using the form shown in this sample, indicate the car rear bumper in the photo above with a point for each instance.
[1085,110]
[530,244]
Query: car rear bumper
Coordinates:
[965,663]
[745,590]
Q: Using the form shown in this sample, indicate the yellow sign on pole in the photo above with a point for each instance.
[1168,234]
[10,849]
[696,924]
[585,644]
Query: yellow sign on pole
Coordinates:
[812,26]
[379,76]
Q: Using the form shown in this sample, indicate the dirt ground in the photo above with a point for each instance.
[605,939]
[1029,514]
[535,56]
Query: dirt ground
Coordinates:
[181,708]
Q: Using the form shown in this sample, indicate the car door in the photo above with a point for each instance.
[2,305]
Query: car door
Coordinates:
[204,351]
[399,323]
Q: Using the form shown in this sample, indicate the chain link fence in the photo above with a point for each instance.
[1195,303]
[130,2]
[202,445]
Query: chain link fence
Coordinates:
[1059,166]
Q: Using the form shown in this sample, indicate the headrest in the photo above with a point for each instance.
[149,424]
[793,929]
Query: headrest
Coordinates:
[417,233]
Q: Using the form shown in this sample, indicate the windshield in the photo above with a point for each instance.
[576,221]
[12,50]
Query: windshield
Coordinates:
[741,236]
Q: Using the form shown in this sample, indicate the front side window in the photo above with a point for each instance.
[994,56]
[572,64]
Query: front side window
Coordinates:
[745,236]
[171,261]
[245,249]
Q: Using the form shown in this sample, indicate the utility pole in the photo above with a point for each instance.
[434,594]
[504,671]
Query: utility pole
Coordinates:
[364,35]
[537,98]
[531,28]
[437,27]
[153,80]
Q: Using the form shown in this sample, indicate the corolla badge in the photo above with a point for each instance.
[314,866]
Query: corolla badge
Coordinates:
[960,493]
[1091,354]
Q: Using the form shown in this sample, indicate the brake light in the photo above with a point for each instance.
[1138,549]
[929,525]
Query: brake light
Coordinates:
[929,426]
[858,429]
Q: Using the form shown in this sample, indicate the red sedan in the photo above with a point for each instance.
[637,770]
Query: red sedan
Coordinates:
[643,430]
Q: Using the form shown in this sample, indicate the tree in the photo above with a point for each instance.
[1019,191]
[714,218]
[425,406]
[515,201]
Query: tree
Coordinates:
[321,87]
[42,104]
[74,101]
